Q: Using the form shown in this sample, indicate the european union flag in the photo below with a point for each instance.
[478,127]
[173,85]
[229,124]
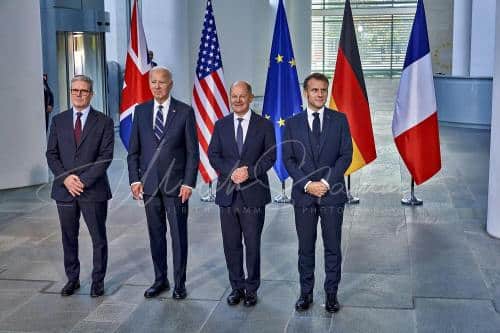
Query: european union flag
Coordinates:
[282,97]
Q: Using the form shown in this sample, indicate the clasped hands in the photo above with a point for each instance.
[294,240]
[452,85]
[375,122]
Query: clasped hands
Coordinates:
[317,189]
[240,175]
[74,185]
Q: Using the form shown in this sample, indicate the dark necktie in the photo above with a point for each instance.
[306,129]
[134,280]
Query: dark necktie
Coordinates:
[316,134]
[78,128]
[239,136]
[159,123]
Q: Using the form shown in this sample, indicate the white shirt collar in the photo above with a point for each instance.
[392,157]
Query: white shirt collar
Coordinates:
[166,104]
[245,117]
[311,111]
[84,111]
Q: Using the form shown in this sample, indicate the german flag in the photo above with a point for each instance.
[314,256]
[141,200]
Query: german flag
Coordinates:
[349,95]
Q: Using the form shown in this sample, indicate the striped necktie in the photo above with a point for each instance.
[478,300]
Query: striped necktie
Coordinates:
[158,130]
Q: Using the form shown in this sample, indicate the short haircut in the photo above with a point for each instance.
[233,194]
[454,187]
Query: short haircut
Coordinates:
[84,78]
[247,85]
[161,69]
[316,76]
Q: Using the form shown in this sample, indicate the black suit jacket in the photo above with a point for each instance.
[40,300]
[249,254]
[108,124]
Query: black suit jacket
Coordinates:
[259,154]
[176,162]
[335,156]
[89,160]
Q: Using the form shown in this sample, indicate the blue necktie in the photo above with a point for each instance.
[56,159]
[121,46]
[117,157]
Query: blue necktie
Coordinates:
[239,136]
[158,130]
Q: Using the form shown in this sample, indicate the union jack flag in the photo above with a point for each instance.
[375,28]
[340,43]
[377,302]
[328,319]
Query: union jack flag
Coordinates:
[136,84]
[210,101]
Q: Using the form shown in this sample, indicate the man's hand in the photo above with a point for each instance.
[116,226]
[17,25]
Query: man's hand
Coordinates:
[185,193]
[137,191]
[74,185]
[240,175]
[318,189]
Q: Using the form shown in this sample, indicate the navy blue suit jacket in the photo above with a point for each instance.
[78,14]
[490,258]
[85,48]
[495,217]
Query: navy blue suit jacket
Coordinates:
[176,162]
[335,156]
[259,154]
[89,160]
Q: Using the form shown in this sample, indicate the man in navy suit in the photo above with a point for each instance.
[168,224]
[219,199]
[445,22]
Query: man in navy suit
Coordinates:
[79,151]
[242,150]
[316,153]
[163,164]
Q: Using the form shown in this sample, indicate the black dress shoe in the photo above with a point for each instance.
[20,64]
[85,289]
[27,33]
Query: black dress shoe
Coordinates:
[156,289]
[69,288]
[250,299]
[331,303]
[304,302]
[179,293]
[97,289]
[235,296]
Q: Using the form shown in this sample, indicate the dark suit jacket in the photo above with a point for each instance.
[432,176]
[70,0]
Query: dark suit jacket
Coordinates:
[259,154]
[334,158]
[89,160]
[176,162]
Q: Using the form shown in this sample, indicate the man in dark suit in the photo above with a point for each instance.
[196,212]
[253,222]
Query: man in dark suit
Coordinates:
[316,153]
[163,164]
[79,151]
[48,98]
[242,150]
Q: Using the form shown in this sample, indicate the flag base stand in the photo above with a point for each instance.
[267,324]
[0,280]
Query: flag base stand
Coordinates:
[210,197]
[351,200]
[282,198]
[412,200]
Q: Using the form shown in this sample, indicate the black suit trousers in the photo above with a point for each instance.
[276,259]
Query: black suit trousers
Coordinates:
[159,208]
[306,224]
[238,220]
[94,213]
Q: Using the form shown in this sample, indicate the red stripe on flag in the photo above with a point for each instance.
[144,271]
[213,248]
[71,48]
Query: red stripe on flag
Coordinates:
[203,172]
[137,86]
[222,90]
[350,99]
[419,148]
[211,98]
[201,139]
[202,112]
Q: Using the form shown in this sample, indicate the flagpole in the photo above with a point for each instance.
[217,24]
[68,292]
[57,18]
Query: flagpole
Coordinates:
[350,199]
[210,197]
[282,198]
[412,200]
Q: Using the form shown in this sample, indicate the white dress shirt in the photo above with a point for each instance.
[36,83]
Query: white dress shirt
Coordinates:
[244,124]
[166,106]
[83,118]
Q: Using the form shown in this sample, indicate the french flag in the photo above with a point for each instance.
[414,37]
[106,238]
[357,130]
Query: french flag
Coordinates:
[415,123]
[136,83]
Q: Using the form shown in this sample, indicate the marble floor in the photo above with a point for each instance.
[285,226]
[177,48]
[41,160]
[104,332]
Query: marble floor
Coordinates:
[424,269]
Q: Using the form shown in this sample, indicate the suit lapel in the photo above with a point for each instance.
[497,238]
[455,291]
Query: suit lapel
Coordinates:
[69,127]
[89,124]
[251,132]
[232,134]
[170,117]
[305,131]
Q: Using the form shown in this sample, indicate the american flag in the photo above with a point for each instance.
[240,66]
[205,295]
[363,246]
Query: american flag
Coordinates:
[136,83]
[210,101]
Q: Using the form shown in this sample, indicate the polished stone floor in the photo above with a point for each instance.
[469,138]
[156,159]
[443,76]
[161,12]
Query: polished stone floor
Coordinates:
[426,269]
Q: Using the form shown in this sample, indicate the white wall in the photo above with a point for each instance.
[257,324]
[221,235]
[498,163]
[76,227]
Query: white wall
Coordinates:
[117,38]
[462,15]
[23,142]
[493,222]
[482,38]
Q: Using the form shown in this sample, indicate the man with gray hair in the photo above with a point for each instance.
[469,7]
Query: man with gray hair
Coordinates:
[163,165]
[79,151]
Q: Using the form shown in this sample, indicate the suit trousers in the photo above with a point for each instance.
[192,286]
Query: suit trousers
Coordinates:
[306,224]
[238,220]
[94,213]
[159,208]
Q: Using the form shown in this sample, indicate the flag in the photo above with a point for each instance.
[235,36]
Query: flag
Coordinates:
[349,95]
[415,123]
[282,96]
[136,83]
[210,101]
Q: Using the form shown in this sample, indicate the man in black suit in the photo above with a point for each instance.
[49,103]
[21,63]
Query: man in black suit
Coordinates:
[242,150]
[79,151]
[163,164]
[48,98]
[316,153]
